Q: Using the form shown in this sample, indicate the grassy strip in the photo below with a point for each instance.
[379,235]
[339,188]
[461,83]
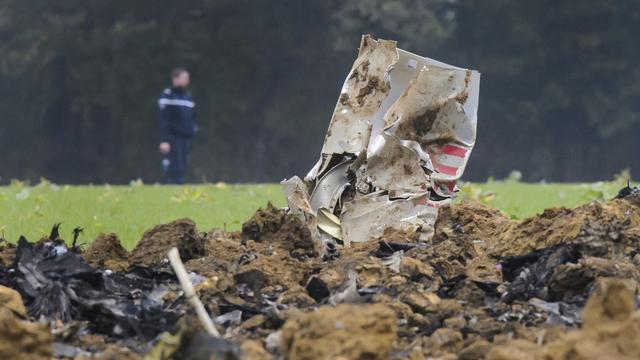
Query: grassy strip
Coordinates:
[130,210]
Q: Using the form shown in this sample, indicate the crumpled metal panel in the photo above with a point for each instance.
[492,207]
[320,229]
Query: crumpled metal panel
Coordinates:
[329,187]
[298,199]
[366,218]
[416,118]
[430,122]
[396,167]
[363,91]
[329,223]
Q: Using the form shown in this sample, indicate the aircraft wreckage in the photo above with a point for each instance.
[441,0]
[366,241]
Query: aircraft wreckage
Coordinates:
[398,141]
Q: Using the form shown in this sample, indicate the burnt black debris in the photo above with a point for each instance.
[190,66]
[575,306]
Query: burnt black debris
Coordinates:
[386,248]
[450,287]
[318,289]
[59,285]
[251,281]
[627,190]
[530,273]
[55,232]
[76,234]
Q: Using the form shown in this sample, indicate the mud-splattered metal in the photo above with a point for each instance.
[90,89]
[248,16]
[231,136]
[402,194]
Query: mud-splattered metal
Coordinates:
[398,141]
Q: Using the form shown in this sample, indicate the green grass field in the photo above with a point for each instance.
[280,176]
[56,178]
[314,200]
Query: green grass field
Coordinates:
[130,210]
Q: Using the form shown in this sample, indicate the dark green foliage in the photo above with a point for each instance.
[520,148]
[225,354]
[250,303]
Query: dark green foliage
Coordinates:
[79,81]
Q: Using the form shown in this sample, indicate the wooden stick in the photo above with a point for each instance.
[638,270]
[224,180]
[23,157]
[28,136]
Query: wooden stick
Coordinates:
[189,292]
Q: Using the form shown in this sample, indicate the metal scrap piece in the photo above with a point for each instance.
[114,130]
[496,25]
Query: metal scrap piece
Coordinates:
[329,223]
[428,120]
[396,167]
[297,198]
[329,187]
[399,139]
[366,218]
[363,91]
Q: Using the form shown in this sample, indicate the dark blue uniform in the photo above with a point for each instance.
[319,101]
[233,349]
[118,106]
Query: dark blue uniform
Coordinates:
[177,121]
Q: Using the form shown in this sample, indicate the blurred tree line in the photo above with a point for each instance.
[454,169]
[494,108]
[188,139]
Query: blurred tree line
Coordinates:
[79,81]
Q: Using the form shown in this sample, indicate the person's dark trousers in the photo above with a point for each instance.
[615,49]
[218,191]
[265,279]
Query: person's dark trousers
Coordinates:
[178,160]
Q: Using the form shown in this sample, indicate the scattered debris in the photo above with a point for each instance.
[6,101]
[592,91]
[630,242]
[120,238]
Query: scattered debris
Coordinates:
[194,345]
[486,285]
[611,329]
[60,286]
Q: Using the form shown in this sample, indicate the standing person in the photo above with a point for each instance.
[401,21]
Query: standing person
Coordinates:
[177,122]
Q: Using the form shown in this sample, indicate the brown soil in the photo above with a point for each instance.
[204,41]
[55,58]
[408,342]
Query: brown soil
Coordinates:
[22,339]
[346,331]
[273,225]
[604,227]
[11,300]
[107,252]
[155,243]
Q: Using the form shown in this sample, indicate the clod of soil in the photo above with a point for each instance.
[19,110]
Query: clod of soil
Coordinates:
[343,332]
[273,225]
[23,340]
[106,251]
[11,300]
[155,243]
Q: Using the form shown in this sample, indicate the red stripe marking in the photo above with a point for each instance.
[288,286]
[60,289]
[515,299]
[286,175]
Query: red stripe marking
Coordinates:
[449,170]
[451,185]
[454,151]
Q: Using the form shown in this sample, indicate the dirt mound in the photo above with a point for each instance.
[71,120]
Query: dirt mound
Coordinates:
[246,270]
[22,339]
[106,251]
[476,222]
[343,332]
[273,225]
[155,243]
[603,227]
